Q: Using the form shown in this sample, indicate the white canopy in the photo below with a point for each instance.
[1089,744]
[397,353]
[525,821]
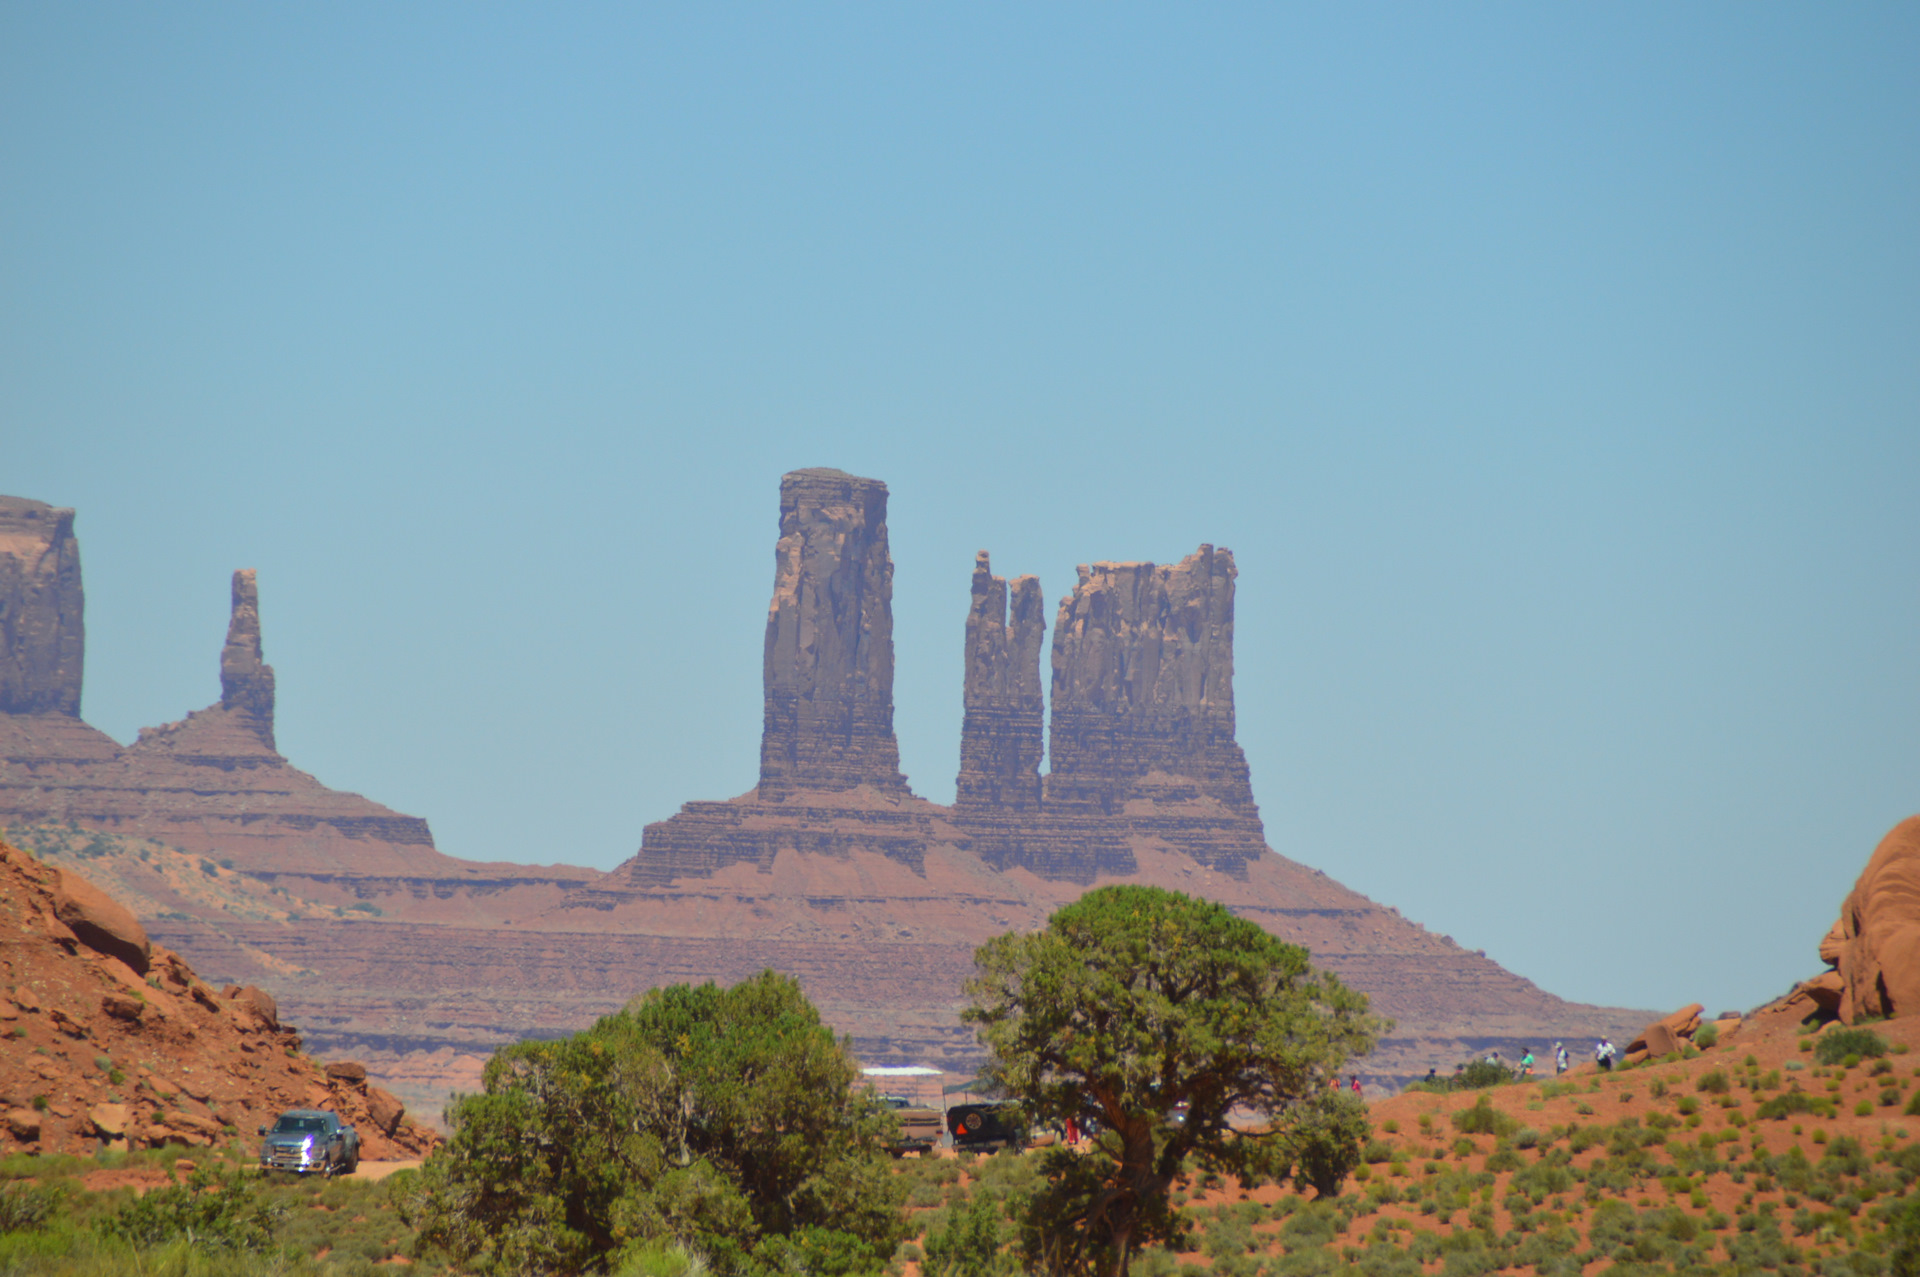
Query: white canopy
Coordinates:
[902,1070]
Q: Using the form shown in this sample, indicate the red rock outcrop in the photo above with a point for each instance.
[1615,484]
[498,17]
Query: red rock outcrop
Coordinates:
[1666,1035]
[42,629]
[1143,687]
[829,647]
[1002,733]
[1875,945]
[109,1041]
[212,782]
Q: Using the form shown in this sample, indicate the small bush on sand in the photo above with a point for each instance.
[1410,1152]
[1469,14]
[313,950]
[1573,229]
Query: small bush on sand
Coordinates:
[1837,1045]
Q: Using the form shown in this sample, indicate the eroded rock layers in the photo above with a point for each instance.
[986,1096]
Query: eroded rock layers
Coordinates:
[830,781]
[212,782]
[246,680]
[829,647]
[1002,733]
[1141,743]
[42,631]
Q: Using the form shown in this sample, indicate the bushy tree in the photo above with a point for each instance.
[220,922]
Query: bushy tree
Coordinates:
[1157,1015]
[723,1120]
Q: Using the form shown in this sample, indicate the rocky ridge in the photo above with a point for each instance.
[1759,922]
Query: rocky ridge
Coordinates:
[109,1039]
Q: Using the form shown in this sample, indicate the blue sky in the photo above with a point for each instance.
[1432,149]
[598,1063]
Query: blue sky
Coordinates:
[1550,370]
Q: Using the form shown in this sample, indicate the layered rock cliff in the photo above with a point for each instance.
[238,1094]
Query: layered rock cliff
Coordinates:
[42,628]
[829,649]
[830,868]
[830,779]
[212,782]
[1002,733]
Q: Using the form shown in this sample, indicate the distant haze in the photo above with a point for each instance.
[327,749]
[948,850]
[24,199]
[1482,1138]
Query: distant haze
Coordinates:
[1550,372]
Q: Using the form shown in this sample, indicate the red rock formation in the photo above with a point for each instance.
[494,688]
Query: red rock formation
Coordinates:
[42,630]
[1143,684]
[830,869]
[1875,945]
[212,782]
[829,647]
[107,1056]
[1002,735]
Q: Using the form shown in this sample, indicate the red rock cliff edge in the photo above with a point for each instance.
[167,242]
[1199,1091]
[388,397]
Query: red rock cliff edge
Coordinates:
[108,1038]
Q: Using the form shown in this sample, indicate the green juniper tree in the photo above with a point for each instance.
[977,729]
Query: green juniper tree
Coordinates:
[1157,1015]
[721,1120]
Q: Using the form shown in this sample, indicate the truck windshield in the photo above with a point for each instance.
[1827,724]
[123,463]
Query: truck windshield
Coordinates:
[300,1126]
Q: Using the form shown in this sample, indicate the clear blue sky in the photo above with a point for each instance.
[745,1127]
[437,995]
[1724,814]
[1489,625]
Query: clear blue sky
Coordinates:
[1553,372]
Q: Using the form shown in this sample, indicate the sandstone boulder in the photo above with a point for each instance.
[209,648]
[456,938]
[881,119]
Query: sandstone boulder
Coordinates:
[348,1071]
[110,1121]
[1666,1035]
[385,1108]
[262,1004]
[23,1125]
[100,922]
[1875,946]
[122,1008]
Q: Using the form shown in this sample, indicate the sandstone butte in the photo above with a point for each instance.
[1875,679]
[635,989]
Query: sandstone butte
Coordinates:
[108,1038]
[831,868]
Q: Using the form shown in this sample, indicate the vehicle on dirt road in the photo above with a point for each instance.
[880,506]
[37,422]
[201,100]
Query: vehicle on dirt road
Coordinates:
[980,1126]
[306,1141]
[920,1127]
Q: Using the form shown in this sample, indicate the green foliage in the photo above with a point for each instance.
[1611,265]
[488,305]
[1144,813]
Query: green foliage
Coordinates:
[1706,1037]
[720,1120]
[213,1210]
[1836,1045]
[25,1206]
[1133,1001]
[969,1244]
[1713,1082]
[1484,1119]
[1476,1075]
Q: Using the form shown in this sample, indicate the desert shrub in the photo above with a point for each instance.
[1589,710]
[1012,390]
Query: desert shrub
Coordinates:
[1526,1137]
[213,1210]
[25,1205]
[1835,1046]
[1483,1119]
[1713,1082]
[1706,1037]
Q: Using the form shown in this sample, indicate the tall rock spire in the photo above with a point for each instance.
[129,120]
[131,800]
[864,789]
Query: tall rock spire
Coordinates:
[246,681]
[42,628]
[1143,684]
[1001,736]
[829,650]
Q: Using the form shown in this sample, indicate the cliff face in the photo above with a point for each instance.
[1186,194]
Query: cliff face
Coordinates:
[1143,683]
[829,649]
[42,631]
[1001,734]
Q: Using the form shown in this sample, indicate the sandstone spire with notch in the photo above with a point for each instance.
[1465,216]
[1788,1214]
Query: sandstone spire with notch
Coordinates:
[1002,734]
